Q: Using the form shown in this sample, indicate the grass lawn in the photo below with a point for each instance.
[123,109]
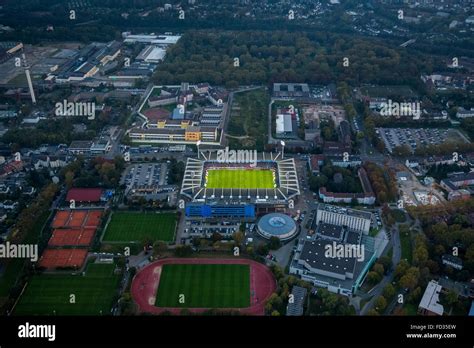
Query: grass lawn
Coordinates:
[245,178]
[93,292]
[134,227]
[204,286]
[405,241]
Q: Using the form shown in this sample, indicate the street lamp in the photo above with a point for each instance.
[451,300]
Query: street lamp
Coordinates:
[283,149]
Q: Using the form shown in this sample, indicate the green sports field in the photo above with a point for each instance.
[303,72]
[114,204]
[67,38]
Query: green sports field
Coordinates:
[134,227]
[204,286]
[240,178]
[50,294]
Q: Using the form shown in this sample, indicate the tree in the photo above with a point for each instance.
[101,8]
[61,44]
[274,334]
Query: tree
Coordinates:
[380,304]
[410,279]
[183,250]
[378,267]
[401,268]
[449,298]
[262,249]
[196,241]
[402,151]
[159,247]
[386,262]
[275,300]
[389,291]
[216,237]
[277,271]
[373,277]
[238,237]
[274,243]
[373,312]
[69,178]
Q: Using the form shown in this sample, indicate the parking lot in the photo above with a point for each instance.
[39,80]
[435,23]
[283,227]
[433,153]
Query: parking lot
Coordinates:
[206,229]
[145,175]
[415,137]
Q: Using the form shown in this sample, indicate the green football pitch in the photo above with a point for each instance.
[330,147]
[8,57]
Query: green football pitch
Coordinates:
[240,178]
[204,286]
[49,294]
[134,227]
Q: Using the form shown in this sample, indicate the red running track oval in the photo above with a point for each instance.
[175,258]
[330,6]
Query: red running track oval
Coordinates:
[145,284]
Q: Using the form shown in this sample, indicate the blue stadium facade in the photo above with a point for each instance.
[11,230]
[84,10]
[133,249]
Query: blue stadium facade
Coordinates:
[244,211]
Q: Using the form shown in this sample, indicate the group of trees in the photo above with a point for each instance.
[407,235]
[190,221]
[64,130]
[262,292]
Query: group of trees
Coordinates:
[378,270]
[322,302]
[448,230]
[176,171]
[349,180]
[440,171]
[53,132]
[96,172]
[328,130]
[27,229]
[328,303]
[266,57]
[277,302]
[29,217]
[383,182]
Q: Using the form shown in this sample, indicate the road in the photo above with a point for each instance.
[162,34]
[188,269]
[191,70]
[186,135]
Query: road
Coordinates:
[387,279]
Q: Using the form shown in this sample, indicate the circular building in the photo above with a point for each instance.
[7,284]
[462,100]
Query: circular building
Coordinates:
[277,225]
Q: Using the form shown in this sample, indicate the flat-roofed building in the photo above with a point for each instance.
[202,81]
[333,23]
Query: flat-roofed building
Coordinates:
[296,305]
[284,124]
[452,261]
[80,147]
[356,220]
[429,304]
[291,90]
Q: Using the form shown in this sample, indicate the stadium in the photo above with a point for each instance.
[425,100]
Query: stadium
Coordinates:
[198,285]
[266,179]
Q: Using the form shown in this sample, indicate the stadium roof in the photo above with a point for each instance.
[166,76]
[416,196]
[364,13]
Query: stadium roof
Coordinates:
[277,224]
[84,194]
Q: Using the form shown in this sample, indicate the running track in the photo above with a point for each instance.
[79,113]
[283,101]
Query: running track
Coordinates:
[145,284]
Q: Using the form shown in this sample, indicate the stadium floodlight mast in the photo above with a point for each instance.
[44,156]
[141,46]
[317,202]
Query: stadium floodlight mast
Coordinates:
[198,143]
[283,149]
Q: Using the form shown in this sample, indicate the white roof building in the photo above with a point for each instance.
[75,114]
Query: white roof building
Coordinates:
[429,304]
[152,54]
[151,39]
[284,124]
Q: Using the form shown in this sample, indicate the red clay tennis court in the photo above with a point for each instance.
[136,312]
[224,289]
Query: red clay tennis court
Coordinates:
[60,219]
[77,218]
[93,218]
[62,258]
[69,237]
